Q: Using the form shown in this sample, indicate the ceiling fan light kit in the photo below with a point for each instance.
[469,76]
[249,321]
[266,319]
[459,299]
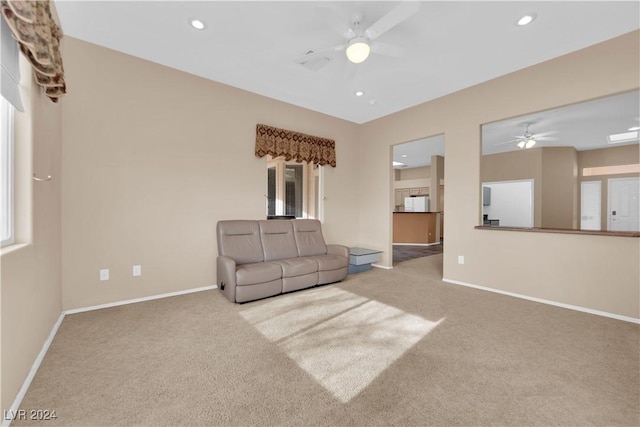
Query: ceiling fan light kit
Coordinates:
[526,143]
[357,41]
[358,50]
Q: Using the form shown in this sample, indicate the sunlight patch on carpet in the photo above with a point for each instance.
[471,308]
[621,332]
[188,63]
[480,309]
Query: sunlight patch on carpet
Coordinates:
[344,341]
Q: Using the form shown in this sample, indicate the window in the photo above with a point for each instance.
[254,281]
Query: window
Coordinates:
[293,189]
[6,171]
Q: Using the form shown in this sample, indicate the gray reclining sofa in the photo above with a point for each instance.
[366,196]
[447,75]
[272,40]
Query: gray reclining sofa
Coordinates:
[259,259]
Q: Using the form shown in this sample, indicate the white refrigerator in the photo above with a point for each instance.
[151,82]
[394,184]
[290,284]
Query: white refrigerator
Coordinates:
[416,204]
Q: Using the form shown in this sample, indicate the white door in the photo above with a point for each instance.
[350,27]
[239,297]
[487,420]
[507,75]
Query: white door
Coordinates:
[624,204]
[590,205]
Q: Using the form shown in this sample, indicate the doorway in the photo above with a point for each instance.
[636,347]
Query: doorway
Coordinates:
[417,202]
[590,205]
[624,204]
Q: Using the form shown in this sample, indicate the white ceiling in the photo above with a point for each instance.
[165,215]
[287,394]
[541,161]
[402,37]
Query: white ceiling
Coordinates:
[584,126]
[253,45]
[418,153]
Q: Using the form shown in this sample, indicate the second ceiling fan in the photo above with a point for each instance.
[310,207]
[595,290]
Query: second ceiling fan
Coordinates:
[528,140]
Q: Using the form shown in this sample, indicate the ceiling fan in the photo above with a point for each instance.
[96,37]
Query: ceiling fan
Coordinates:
[359,41]
[528,140]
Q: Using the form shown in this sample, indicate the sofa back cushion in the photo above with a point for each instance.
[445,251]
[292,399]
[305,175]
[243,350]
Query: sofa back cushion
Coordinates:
[278,241]
[308,234]
[240,240]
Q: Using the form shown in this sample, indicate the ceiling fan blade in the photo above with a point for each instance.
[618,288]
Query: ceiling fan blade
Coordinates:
[545,133]
[387,49]
[316,54]
[335,20]
[545,138]
[508,142]
[403,11]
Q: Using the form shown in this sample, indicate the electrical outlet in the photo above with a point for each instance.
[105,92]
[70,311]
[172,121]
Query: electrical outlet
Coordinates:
[137,271]
[460,259]
[104,274]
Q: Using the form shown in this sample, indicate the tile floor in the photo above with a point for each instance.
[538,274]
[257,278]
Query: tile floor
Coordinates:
[406,252]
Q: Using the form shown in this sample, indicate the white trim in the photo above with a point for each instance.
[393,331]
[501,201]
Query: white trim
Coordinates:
[8,166]
[142,299]
[548,302]
[32,373]
[384,267]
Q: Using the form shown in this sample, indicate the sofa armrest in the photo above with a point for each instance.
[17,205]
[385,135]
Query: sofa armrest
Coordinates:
[338,250]
[226,280]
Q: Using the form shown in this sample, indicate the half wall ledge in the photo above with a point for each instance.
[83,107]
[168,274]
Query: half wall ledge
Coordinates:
[562,231]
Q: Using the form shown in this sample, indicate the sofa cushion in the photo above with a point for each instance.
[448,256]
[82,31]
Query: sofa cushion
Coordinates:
[258,291]
[297,266]
[259,272]
[278,241]
[308,234]
[330,262]
[240,240]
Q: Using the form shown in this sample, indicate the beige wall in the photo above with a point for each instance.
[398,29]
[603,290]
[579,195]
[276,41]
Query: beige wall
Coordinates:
[554,172]
[559,187]
[31,292]
[437,176]
[415,173]
[154,157]
[611,156]
[595,272]
[516,165]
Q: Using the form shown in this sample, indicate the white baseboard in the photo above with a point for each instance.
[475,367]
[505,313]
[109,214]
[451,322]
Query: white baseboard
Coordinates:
[548,302]
[384,267]
[142,299]
[13,411]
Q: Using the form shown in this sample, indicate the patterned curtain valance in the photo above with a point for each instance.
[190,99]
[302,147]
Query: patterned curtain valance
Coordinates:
[39,37]
[294,145]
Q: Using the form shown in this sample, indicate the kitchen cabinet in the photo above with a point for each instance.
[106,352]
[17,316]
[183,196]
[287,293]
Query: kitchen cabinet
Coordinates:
[399,201]
[401,193]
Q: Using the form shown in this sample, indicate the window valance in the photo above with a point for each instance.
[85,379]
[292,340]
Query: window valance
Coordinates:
[39,36]
[294,145]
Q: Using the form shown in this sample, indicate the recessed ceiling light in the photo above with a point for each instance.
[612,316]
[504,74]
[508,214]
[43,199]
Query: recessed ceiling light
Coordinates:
[404,155]
[198,24]
[526,19]
[634,128]
[358,93]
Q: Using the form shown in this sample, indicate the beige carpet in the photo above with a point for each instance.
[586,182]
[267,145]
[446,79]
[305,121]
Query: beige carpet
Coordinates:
[392,347]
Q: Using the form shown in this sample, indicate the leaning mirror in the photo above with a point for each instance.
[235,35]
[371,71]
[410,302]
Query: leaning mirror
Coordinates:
[570,168]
